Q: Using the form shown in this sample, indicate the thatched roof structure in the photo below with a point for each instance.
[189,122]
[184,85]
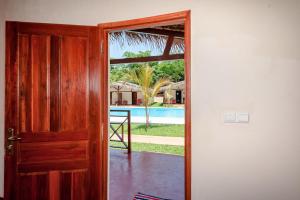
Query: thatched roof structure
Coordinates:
[168,39]
[155,37]
[124,86]
[174,86]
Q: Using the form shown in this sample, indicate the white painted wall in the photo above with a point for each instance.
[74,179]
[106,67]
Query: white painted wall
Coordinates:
[126,96]
[245,57]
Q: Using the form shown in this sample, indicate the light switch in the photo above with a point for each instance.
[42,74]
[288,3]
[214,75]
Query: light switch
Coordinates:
[229,117]
[242,117]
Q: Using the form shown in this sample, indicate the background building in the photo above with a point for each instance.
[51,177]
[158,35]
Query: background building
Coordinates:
[124,93]
[173,93]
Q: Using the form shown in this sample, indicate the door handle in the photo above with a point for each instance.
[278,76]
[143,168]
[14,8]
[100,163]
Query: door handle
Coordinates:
[11,139]
[12,136]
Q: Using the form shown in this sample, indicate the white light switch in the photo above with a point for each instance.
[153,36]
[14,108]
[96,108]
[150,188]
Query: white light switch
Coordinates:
[236,117]
[242,117]
[229,117]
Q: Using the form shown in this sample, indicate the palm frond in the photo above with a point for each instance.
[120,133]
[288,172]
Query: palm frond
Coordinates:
[161,82]
[153,41]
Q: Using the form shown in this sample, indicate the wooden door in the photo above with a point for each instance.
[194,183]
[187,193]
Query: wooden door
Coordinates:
[134,98]
[52,112]
[178,96]
[110,98]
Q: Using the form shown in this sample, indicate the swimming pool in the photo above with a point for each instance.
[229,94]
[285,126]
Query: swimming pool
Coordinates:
[160,112]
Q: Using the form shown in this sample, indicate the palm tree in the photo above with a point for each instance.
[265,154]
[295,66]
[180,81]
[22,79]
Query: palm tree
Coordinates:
[168,94]
[143,77]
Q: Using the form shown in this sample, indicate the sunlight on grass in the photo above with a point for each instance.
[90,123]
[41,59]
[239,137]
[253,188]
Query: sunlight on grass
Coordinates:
[156,148]
[170,130]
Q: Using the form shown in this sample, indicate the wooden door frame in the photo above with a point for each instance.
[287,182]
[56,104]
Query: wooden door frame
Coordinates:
[104,29]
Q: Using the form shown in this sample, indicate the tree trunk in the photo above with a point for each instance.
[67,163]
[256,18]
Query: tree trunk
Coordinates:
[147,117]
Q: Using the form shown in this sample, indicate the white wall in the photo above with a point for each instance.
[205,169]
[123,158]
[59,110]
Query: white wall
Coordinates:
[126,96]
[245,57]
[114,97]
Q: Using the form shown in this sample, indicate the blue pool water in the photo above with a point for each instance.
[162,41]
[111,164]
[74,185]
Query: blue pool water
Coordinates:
[154,112]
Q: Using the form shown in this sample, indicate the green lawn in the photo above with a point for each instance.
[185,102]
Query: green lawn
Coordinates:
[157,148]
[156,104]
[171,130]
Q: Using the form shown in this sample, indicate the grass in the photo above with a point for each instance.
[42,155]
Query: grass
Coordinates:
[170,130]
[156,104]
[156,148]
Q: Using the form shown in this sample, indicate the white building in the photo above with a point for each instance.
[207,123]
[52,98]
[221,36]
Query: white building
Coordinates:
[173,93]
[124,93]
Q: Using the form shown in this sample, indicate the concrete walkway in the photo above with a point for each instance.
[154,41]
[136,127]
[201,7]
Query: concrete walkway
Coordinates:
[156,139]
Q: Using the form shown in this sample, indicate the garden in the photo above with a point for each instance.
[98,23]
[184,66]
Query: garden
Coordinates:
[159,133]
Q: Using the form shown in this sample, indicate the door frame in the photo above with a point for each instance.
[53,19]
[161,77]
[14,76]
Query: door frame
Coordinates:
[160,20]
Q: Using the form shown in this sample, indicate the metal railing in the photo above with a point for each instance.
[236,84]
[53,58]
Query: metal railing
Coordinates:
[120,121]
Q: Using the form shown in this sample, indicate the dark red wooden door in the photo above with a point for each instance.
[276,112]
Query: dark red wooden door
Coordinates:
[52,112]
[134,98]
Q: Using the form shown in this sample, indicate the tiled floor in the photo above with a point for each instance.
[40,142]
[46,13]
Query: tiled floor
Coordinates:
[150,173]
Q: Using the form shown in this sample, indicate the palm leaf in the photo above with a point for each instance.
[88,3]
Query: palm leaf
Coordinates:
[161,82]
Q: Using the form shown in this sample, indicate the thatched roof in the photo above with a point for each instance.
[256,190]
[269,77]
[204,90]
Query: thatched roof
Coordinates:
[155,37]
[174,86]
[124,86]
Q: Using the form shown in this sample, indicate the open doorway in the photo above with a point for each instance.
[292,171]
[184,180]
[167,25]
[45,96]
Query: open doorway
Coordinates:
[148,107]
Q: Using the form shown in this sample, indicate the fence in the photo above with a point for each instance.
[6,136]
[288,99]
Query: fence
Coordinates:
[120,118]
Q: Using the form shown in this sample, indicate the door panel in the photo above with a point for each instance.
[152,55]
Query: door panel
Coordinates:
[54,151]
[25,105]
[31,185]
[53,138]
[44,186]
[55,83]
[40,64]
[74,83]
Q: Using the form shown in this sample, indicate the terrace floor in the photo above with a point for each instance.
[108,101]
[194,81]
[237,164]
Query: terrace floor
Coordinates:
[150,173]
